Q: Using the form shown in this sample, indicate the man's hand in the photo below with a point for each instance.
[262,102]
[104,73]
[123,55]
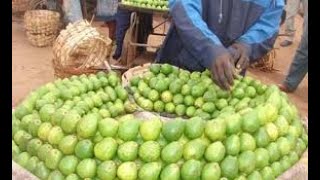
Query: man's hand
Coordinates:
[242,61]
[222,71]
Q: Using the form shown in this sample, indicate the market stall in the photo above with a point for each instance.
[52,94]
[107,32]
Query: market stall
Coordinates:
[131,43]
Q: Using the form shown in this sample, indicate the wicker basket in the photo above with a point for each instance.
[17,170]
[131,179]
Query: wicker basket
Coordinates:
[42,26]
[78,49]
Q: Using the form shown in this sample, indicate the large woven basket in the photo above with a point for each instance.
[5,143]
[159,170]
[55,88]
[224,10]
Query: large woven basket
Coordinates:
[42,26]
[79,49]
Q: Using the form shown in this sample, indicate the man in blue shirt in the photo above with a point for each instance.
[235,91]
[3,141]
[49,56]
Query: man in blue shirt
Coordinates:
[220,34]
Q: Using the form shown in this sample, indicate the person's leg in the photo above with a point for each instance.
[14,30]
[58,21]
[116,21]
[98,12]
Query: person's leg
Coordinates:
[299,66]
[122,25]
[292,9]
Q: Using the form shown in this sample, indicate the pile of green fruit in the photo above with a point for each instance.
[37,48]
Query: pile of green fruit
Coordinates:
[83,128]
[148,4]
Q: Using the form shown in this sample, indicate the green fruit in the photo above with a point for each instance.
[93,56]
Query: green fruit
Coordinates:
[55,135]
[175,87]
[276,168]
[232,145]
[84,149]
[267,173]
[170,107]
[191,170]
[25,121]
[166,69]
[230,167]
[108,127]
[177,99]
[41,171]
[150,129]
[188,100]
[72,177]
[153,95]
[293,157]
[211,171]
[282,125]
[173,130]
[250,122]
[285,163]
[87,168]
[150,171]
[135,80]
[155,68]
[128,151]
[247,142]
[197,91]
[215,130]
[190,111]
[262,158]
[247,161]
[105,149]
[198,103]
[194,128]
[262,138]
[128,130]
[250,92]
[208,107]
[53,158]
[221,103]
[158,106]
[233,124]
[43,151]
[210,96]
[180,110]
[23,159]
[32,164]
[300,146]
[107,170]
[34,127]
[193,149]
[215,152]
[283,146]
[87,126]
[185,90]
[15,151]
[272,131]
[149,151]
[46,112]
[127,171]
[121,93]
[147,105]
[68,164]
[68,144]
[238,93]
[44,130]
[70,121]
[255,176]
[170,172]
[172,152]
[33,146]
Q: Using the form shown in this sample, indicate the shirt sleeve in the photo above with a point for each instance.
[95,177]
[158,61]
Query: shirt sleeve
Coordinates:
[193,31]
[260,38]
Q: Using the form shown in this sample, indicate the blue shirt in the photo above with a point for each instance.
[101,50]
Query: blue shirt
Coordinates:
[204,29]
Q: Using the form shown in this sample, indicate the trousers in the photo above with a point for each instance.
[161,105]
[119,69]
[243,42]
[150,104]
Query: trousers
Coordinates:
[299,66]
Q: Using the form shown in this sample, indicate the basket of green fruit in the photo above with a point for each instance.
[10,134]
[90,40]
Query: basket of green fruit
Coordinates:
[86,127]
[159,5]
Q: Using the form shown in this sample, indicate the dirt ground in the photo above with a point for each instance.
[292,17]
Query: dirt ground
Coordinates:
[31,66]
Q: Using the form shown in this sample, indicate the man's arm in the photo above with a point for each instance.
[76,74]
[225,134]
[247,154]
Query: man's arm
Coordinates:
[260,38]
[197,38]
